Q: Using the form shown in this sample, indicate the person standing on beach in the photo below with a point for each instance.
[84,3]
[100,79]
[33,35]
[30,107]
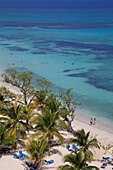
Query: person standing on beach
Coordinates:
[94,121]
[91,121]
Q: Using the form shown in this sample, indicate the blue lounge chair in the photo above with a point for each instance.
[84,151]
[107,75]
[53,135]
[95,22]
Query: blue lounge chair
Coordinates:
[85,164]
[49,162]
[17,156]
[106,158]
[30,166]
[74,147]
[68,147]
[103,165]
[53,152]
[2,123]
[70,131]
[20,152]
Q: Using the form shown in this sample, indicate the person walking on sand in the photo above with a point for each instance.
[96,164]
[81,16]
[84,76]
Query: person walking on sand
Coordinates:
[94,121]
[91,121]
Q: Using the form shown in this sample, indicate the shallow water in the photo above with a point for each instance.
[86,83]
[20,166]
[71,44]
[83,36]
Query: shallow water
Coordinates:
[72,48]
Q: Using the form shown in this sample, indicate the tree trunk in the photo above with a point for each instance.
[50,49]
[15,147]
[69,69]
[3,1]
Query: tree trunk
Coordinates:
[27,121]
[39,165]
[17,138]
[49,142]
[69,124]
[25,100]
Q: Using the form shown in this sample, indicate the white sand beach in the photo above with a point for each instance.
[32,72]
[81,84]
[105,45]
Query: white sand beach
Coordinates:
[7,162]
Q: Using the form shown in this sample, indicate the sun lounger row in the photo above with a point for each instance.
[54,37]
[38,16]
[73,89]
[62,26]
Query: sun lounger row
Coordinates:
[107,160]
[20,156]
[31,166]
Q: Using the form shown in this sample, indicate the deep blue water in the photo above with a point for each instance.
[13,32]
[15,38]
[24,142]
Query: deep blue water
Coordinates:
[72,48]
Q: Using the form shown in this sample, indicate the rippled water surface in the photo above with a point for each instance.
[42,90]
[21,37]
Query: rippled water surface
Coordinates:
[72,48]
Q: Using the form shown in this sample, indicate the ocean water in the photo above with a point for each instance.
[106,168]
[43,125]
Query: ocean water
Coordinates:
[72,48]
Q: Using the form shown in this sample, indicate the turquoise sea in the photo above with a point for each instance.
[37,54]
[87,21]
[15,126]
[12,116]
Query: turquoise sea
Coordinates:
[72,48]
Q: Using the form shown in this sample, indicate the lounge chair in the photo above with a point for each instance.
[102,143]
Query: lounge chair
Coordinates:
[74,147]
[49,162]
[20,152]
[70,131]
[30,166]
[68,147]
[85,164]
[104,165]
[110,161]
[106,158]
[2,123]
[17,156]
[54,152]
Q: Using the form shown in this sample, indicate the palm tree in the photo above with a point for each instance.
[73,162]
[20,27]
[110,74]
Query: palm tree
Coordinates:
[77,161]
[15,121]
[37,150]
[4,139]
[48,124]
[82,140]
[28,113]
[52,103]
[38,99]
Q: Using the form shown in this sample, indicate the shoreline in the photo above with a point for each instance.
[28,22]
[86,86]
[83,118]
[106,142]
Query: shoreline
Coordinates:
[83,117]
[103,135]
[80,114]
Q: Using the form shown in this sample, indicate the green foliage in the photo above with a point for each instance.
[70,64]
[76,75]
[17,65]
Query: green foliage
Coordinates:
[49,122]
[20,80]
[15,121]
[106,147]
[68,107]
[82,140]
[27,113]
[53,104]
[4,139]
[38,99]
[43,83]
[1,97]
[77,161]
[67,99]
[37,150]
[6,93]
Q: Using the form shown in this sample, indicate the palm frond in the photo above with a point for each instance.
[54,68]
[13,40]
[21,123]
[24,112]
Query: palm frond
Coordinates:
[59,136]
[35,135]
[65,167]
[90,167]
